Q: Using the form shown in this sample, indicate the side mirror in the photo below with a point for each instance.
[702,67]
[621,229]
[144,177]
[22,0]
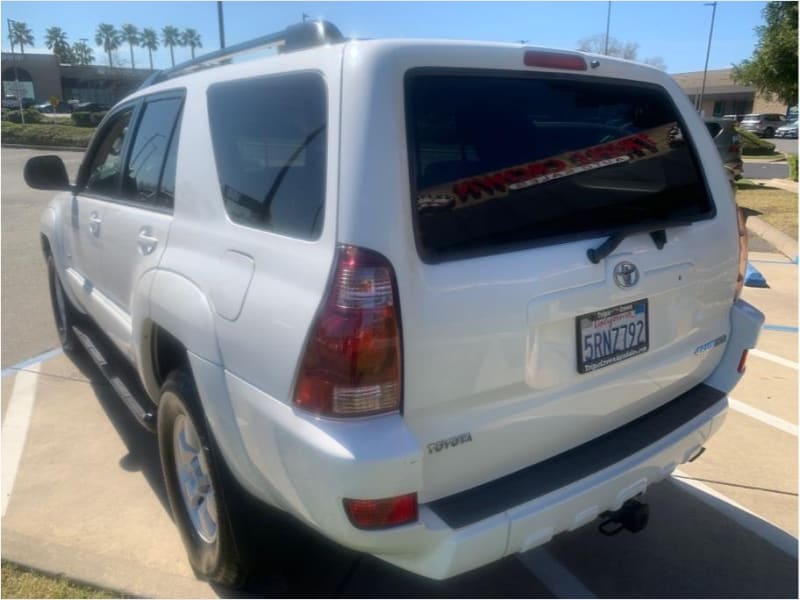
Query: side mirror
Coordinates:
[47,173]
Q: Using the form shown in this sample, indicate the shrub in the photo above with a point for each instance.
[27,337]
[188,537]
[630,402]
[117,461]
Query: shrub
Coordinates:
[46,135]
[31,115]
[752,145]
[96,117]
[793,167]
[82,119]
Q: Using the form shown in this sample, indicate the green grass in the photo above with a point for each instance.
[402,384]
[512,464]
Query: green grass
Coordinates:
[45,134]
[774,206]
[19,582]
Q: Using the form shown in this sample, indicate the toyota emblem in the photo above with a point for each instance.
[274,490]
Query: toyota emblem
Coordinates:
[626,274]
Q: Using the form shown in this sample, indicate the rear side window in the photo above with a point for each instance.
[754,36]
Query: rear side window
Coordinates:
[150,174]
[501,162]
[713,128]
[270,137]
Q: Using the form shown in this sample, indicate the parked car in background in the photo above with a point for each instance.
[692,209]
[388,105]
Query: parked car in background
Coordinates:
[61,108]
[737,118]
[787,131]
[764,124]
[11,101]
[90,107]
[728,143]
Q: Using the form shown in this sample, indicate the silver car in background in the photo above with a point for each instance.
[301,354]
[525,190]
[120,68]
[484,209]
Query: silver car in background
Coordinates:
[787,131]
[763,124]
[728,143]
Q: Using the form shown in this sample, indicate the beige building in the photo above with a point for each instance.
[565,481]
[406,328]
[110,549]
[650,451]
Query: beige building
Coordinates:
[725,97]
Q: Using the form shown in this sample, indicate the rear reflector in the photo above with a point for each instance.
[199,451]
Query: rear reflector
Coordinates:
[740,220]
[742,362]
[554,60]
[379,514]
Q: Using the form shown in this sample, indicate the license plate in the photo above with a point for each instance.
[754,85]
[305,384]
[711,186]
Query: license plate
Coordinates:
[606,337]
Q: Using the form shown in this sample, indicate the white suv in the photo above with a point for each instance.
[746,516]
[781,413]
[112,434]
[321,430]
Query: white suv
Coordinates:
[439,300]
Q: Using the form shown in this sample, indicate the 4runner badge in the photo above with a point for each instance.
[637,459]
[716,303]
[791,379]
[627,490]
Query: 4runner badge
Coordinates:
[450,442]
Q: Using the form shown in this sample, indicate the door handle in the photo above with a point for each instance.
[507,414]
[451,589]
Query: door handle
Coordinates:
[146,241]
[94,224]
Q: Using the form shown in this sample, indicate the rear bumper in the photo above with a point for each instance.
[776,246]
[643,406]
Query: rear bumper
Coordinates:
[312,464]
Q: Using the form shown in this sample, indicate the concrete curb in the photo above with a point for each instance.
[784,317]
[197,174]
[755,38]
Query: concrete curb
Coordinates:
[779,240]
[52,148]
[783,184]
[759,159]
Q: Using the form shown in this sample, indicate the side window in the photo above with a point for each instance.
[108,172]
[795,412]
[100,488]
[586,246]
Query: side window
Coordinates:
[148,161]
[270,138]
[106,164]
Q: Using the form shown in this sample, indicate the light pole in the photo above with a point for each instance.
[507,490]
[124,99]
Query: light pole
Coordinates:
[608,26]
[708,52]
[16,75]
[221,25]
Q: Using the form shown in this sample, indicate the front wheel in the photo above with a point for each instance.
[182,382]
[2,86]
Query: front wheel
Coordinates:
[63,312]
[194,483]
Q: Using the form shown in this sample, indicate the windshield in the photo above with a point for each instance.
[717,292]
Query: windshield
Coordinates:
[504,161]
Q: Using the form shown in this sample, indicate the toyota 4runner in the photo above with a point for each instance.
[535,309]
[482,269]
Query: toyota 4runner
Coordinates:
[438,300]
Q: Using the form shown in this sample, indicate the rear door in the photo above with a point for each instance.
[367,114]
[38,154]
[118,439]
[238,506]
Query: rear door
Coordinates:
[565,282]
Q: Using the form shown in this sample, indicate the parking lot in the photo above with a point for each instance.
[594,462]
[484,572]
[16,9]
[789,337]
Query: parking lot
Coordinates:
[83,494]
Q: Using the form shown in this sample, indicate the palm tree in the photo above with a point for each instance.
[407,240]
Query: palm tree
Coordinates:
[20,34]
[171,37]
[149,40]
[56,40]
[130,34]
[82,54]
[191,38]
[108,37]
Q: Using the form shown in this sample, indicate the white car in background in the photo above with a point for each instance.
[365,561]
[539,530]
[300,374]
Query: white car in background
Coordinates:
[439,300]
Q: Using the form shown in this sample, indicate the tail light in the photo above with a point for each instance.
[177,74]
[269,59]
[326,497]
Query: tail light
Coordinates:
[733,149]
[742,363]
[352,361]
[386,512]
[742,252]
[554,60]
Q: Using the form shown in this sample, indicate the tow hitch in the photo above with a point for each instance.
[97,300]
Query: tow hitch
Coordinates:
[633,516]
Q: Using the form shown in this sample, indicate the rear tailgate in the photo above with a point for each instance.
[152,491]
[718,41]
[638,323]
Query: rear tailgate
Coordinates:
[517,346]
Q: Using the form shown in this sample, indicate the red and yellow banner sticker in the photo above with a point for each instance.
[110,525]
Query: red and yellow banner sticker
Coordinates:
[467,192]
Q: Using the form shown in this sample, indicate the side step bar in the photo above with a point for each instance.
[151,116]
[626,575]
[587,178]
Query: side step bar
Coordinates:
[145,416]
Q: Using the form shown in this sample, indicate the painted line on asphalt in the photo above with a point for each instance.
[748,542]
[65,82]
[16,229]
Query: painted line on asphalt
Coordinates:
[760,415]
[774,358]
[555,576]
[31,361]
[787,262]
[733,510]
[784,328]
[15,427]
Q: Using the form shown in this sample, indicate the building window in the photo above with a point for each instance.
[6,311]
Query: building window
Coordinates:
[10,83]
[719,108]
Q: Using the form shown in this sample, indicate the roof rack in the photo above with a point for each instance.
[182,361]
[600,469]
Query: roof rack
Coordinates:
[295,37]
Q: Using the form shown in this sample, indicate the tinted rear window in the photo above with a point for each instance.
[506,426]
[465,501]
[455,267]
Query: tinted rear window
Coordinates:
[270,136]
[500,161]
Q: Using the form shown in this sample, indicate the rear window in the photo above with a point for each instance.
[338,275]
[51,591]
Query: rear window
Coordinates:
[713,128]
[270,138]
[501,162]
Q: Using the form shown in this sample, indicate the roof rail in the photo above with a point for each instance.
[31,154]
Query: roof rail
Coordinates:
[295,37]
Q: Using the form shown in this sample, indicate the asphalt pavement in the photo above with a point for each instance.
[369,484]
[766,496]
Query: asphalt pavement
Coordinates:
[83,493]
[765,170]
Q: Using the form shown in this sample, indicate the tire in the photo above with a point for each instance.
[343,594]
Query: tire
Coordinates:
[769,132]
[189,461]
[64,313]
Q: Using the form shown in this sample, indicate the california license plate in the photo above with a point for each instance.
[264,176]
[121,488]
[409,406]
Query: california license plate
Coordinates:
[606,337]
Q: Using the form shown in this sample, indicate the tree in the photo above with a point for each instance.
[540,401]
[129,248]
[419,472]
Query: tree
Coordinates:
[109,38]
[130,34]
[190,37]
[56,40]
[82,54]
[171,38]
[149,40]
[627,50]
[772,69]
[20,34]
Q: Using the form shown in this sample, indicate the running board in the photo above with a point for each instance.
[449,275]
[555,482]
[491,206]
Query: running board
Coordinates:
[146,418]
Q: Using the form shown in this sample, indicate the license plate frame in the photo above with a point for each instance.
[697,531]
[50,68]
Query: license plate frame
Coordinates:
[585,324]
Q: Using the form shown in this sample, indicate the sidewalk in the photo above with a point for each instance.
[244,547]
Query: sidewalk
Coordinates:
[784,184]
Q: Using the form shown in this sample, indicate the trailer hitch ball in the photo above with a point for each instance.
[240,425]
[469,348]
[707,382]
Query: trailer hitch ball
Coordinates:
[633,516]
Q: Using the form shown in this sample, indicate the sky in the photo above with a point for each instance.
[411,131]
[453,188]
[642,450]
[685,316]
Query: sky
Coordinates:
[675,31]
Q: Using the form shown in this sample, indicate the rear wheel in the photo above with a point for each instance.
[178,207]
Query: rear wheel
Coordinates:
[63,312]
[769,132]
[193,478]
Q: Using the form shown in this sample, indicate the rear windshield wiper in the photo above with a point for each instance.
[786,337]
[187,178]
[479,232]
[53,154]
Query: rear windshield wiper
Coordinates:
[595,255]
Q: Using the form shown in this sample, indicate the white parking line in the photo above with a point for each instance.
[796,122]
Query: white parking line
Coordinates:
[15,426]
[772,357]
[553,574]
[736,512]
[767,418]
[31,361]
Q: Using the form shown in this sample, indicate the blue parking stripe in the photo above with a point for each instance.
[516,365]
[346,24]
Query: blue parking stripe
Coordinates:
[784,328]
[31,361]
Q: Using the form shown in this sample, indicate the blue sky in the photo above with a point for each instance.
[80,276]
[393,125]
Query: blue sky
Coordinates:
[675,31]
